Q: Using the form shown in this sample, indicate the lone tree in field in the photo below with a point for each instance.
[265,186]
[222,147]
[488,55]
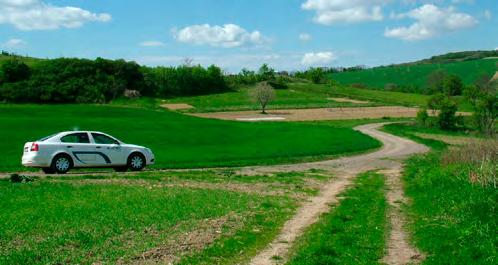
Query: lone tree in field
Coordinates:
[262,94]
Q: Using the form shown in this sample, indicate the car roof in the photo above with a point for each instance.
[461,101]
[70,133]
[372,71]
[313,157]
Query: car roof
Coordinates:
[69,132]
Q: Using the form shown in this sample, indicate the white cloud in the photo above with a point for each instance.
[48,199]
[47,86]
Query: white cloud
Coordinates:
[38,15]
[228,36]
[13,43]
[431,21]
[329,12]
[304,37]
[152,43]
[318,58]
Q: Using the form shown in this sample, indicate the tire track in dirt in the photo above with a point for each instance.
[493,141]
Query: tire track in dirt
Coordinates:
[389,157]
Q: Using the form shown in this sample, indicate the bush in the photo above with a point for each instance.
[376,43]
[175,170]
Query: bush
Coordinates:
[422,117]
[16,178]
[447,119]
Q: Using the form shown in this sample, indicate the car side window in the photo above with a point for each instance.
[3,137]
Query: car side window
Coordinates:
[78,138]
[103,139]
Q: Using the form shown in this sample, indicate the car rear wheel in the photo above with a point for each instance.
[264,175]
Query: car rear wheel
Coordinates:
[61,164]
[136,162]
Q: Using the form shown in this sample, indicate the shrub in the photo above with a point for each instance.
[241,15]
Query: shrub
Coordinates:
[16,178]
[447,119]
[359,85]
[422,117]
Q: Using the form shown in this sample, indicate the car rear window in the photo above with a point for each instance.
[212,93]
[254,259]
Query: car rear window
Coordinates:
[81,138]
[46,138]
[103,139]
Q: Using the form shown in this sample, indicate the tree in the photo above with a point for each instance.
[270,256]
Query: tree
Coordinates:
[484,100]
[266,73]
[453,85]
[447,119]
[263,94]
[316,75]
[15,71]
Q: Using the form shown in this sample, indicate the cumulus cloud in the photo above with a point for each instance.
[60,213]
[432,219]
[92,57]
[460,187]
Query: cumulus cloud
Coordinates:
[330,12]
[304,37]
[13,43]
[431,21]
[152,43]
[318,58]
[226,36]
[38,15]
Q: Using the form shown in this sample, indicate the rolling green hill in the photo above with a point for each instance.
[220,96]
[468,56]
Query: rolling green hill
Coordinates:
[413,77]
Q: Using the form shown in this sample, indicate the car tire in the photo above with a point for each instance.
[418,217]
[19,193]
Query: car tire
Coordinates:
[121,169]
[136,162]
[61,164]
[48,170]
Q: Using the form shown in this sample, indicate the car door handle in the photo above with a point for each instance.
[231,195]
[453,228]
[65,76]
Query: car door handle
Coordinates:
[98,147]
[69,146]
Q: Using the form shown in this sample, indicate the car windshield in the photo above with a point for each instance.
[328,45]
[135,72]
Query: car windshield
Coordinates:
[46,138]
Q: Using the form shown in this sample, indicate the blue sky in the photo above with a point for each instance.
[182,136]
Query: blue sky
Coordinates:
[287,34]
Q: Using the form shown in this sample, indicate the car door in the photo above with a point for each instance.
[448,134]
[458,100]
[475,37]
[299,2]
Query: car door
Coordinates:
[78,146]
[110,151]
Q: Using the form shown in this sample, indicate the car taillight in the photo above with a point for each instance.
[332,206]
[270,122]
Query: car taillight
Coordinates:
[34,147]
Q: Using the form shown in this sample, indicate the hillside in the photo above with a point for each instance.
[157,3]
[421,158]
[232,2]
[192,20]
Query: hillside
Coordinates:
[413,77]
[26,59]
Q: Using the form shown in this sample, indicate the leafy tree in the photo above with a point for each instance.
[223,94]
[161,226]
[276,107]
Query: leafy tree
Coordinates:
[266,73]
[422,116]
[453,85]
[435,81]
[263,94]
[484,99]
[447,119]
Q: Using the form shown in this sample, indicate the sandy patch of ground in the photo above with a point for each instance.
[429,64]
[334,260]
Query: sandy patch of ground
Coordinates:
[179,106]
[348,100]
[389,157]
[317,114]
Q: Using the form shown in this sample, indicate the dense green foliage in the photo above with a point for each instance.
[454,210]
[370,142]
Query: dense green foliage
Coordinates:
[68,80]
[86,220]
[414,78]
[315,75]
[178,141]
[353,232]
[459,56]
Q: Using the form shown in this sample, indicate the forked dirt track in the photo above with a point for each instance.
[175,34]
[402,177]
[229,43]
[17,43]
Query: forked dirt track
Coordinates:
[388,158]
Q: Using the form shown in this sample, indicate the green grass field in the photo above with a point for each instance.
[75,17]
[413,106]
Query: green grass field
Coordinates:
[307,95]
[406,75]
[351,233]
[178,141]
[184,217]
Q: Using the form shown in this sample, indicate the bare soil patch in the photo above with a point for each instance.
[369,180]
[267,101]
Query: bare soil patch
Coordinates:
[318,114]
[495,77]
[179,106]
[348,100]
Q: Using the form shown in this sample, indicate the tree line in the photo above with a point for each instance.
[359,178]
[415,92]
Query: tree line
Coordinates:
[70,80]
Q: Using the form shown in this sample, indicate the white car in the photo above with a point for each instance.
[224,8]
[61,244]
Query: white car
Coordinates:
[83,149]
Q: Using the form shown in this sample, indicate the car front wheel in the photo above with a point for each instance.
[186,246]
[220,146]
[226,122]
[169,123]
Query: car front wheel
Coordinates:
[61,164]
[136,162]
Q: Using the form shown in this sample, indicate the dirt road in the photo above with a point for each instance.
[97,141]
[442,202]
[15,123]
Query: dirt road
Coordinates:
[389,157]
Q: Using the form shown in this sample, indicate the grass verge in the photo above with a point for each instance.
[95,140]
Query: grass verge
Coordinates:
[351,233]
[453,217]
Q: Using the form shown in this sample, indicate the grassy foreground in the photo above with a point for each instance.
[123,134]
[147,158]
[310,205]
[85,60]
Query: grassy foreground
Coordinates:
[178,141]
[453,219]
[351,233]
[208,217]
